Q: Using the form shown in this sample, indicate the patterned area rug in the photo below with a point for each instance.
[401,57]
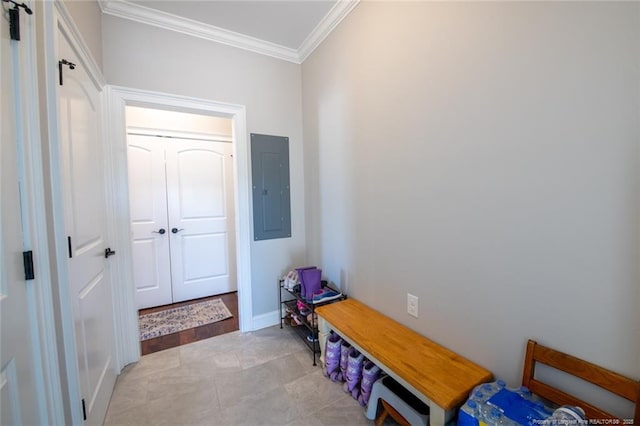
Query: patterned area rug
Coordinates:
[182,318]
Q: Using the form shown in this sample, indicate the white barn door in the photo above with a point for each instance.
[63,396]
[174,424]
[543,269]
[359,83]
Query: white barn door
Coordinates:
[85,213]
[21,399]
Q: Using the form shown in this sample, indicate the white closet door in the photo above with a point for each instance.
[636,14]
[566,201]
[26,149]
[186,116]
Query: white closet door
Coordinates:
[149,226]
[201,218]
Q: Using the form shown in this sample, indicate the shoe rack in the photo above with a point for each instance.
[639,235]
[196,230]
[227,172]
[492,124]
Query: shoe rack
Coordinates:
[300,315]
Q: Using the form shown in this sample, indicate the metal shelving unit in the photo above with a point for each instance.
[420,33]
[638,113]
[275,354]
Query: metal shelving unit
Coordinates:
[306,328]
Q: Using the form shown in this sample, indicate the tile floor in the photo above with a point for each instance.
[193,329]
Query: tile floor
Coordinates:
[259,378]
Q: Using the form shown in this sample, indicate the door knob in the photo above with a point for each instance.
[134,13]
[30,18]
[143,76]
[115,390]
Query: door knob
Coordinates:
[159,231]
[108,252]
[176,230]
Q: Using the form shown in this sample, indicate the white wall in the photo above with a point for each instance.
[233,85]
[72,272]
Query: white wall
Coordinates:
[87,16]
[484,157]
[145,57]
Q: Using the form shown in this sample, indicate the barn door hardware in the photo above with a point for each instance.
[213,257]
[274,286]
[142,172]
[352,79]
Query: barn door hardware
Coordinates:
[14,18]
[62,62]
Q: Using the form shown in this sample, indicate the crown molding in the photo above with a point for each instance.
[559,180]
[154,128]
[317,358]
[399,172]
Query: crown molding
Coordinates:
[331,20]
[146,15]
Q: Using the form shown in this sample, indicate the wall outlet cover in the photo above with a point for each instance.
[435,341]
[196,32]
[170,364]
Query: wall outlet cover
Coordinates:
[412,305]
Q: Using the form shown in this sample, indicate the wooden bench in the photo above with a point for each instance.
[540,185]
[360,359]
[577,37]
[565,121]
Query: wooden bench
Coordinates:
[438,376]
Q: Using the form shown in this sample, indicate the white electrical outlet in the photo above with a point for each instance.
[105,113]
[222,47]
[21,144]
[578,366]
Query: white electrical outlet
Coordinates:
[412,305]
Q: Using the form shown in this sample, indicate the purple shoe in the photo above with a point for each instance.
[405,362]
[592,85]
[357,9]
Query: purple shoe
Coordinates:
[311,282]
[332,354]
[354,373]
[370,373]
[301,279]
[341,374]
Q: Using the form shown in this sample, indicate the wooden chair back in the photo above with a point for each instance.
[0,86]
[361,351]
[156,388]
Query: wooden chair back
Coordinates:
[599,376]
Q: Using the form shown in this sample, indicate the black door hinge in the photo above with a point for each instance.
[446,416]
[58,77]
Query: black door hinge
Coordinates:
[27,259]
[84,410]
[69,247]
[62,62]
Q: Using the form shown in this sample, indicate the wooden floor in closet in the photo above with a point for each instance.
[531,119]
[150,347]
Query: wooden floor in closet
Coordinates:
[193,334]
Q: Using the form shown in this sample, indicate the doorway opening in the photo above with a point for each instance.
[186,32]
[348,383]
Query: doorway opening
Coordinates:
[182,222]
[120,99]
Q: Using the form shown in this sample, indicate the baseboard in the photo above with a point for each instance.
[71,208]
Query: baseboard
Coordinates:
[265,320]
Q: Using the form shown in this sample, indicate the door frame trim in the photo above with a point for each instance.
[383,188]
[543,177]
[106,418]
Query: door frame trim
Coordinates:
[143,131]
[126,321]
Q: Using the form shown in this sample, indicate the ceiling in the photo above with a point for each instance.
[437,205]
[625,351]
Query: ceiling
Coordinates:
[288,29]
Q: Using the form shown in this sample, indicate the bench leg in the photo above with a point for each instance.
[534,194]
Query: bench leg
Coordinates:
[438,416]
[323,333]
